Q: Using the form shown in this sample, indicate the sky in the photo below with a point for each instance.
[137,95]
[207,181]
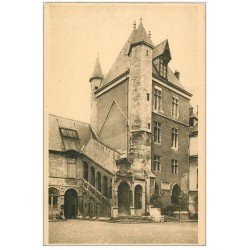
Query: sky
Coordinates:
[75,33]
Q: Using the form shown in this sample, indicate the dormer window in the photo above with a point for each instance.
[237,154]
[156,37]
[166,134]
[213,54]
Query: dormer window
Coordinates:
[163,68]
[69,133]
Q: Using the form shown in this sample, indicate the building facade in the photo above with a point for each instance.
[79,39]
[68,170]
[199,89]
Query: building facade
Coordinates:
[135,152]
[193,161]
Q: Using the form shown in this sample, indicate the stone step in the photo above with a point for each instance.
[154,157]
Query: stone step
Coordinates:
[131,219]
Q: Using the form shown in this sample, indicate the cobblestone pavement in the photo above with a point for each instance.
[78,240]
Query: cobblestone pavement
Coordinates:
[98,232]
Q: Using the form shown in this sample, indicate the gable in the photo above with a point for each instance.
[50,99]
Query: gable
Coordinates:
[113,132]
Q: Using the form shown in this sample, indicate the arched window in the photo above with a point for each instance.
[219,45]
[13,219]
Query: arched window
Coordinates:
[175,198]
[53,197]
[105,186]
[92,176]
[99,182]
[85,171]
[138,197]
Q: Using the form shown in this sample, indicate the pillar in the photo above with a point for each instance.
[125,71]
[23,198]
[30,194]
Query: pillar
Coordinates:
[132,204]
[114,203]
[143,201]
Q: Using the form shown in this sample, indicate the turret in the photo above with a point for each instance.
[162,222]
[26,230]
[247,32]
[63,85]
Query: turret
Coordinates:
[140,100]
[95,81]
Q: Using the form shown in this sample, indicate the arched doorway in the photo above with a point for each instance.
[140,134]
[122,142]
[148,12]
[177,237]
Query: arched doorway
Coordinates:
[92,176]
[138,197]
[105,186]
[99,182]
[85,171]
[53,199]
[70,204]
[175,194]
[124,199]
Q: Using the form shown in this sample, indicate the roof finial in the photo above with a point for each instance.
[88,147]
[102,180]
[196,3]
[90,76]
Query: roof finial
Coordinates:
[134,24]
[149,34]
[141,20]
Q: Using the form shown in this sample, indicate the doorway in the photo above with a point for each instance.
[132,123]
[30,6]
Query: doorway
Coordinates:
[70,204]
[123,199]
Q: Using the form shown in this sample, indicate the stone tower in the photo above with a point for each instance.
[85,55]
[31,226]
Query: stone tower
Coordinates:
[140,100]
[95,81]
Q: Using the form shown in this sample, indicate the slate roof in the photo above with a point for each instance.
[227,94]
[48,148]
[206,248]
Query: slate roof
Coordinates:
[62,144]
[141,36]
[97,72]
[101,154]
[160,48]
[122,62]
[87,143]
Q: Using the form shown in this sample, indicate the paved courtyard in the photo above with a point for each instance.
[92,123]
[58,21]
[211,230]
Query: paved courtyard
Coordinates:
[98,232]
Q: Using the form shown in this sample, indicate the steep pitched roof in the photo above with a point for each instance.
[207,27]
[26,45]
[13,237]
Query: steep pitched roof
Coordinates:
[97,72]
[173,79]
[57,142]
[160,48]
[101,154]
[121,63]
[141,36]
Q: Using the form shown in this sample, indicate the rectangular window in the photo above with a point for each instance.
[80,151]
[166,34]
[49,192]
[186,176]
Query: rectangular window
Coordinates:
[71,162]
[174,167]
[147,96]
[174,138]
[163,68]
[157,132]
[157,163]
[157,99]
[175,107]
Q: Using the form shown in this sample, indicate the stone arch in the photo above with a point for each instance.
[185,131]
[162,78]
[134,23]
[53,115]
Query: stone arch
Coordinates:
[175,194]
[85,171]
[70,203]
[105,186]
[92,176]
[66,189]
[124,198]
[138,196]
[121,181]
[99,181]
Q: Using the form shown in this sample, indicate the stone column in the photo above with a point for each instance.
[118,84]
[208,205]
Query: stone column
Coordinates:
[80,205]
[114,204]
[143,200]
[132,204]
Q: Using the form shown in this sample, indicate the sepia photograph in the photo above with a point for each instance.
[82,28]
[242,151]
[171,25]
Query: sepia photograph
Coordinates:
[124,123]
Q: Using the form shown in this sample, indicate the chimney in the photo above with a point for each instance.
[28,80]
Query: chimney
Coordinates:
[177,74]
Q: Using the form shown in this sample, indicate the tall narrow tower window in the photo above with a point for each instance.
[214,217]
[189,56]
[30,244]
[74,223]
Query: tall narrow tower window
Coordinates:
[157,99]
[157,132]
[175,107]
[174,138]
[163,68]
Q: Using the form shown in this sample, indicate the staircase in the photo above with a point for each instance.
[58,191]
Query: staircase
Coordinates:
[97,196]
[130,219]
